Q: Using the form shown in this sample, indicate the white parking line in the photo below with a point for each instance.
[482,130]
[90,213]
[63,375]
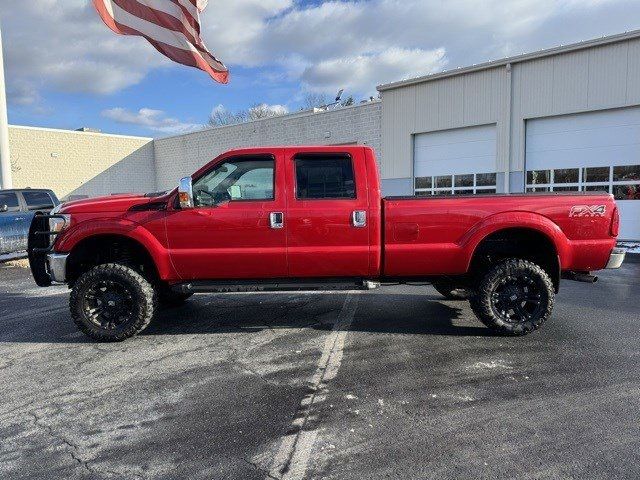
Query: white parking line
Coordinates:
[295,449]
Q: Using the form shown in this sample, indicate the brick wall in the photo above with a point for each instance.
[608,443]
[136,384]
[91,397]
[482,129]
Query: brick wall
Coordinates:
[179,156]
[80,163]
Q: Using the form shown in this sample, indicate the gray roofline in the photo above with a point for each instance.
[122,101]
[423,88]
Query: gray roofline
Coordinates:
[596,42]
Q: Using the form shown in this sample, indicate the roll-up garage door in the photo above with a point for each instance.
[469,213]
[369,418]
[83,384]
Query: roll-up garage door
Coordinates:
[459,161]
[589,152]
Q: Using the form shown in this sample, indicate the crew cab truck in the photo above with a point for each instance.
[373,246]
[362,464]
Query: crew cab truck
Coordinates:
[301,218]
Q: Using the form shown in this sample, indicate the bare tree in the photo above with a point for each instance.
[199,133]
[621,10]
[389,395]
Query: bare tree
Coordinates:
[314,100]
[348,102]
[220,116]
[262,110]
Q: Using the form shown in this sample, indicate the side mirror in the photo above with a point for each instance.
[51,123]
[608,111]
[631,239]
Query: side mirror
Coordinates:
[185,193]
[4,208]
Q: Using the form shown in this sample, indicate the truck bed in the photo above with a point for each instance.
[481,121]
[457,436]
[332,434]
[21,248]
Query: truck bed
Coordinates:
[439,234]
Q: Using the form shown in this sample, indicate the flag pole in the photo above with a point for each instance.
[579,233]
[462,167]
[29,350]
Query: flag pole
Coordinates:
[5,159]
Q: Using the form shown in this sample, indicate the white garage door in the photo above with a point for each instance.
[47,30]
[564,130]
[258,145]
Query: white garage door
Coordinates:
[589,152]
[459,161]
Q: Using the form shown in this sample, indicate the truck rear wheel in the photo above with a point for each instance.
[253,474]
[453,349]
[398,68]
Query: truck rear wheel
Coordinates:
[451,291]
[112,302]
[515,297]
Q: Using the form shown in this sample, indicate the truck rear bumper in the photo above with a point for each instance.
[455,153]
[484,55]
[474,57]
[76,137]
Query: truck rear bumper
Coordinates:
[616,258]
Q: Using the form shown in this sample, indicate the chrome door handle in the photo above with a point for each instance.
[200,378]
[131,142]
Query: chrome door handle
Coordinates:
[276,219]
[359,218]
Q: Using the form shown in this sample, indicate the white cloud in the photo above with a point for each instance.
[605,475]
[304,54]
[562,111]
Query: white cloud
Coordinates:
[22,94]
[149,118]
[63,45]
[363,72]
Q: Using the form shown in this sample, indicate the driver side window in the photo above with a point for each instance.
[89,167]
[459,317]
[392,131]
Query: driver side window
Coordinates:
[236,180]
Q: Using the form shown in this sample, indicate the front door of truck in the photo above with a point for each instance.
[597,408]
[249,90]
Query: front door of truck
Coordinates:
[327,214]
[236,228]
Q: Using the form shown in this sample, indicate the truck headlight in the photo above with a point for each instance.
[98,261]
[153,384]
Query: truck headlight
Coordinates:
[58,224]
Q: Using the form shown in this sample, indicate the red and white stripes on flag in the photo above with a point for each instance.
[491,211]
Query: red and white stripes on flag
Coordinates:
[171,26]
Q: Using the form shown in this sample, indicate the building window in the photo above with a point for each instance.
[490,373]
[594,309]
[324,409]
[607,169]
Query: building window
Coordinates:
[566,175]
[622,181]
[596,174]
[424,182]
[457,184]
[443,181]
[536,177]
[463,181]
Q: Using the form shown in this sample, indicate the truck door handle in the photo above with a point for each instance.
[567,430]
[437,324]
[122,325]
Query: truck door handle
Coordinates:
[276,219]
[359,218]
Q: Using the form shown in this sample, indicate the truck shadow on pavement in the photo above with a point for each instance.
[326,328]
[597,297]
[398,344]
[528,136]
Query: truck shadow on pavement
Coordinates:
[44,322]
[397,314]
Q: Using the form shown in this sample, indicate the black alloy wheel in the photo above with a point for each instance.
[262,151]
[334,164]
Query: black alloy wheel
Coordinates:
[515,297]
[112,302]
[108,304]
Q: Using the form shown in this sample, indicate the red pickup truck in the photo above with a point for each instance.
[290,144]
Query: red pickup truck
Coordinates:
[302,218]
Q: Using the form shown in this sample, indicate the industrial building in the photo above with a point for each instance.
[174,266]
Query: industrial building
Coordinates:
[563,119]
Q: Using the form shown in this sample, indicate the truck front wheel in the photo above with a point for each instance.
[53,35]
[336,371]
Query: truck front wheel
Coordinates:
[515,297]
[112,302]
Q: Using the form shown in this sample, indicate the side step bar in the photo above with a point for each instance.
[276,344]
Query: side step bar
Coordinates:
[282,285]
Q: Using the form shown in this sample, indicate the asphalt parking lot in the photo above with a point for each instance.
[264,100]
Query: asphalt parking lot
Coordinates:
[394,383]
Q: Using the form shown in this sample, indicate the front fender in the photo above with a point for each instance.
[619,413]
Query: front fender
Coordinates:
[516,219]
[70,238]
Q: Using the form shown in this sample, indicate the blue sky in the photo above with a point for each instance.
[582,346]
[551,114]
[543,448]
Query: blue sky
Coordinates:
[65,69]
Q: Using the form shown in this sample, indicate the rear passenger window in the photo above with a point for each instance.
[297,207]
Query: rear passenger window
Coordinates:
[324,177]
[9,199]
[37,200]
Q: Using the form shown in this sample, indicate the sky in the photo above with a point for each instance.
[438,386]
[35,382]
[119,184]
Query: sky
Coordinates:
[66,69]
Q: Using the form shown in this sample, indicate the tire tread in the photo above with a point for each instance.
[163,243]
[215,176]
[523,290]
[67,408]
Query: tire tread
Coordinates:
[146,293]
[481,301]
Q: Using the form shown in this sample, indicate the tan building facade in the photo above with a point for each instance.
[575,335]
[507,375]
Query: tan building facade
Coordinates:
[80,163]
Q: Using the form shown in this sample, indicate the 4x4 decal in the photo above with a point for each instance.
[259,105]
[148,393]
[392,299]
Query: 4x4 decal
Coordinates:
[588,211]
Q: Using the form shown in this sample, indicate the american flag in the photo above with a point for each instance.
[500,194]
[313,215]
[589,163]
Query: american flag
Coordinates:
[171,26]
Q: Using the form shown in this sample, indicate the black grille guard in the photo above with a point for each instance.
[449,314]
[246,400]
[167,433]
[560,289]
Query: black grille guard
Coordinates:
[39,244]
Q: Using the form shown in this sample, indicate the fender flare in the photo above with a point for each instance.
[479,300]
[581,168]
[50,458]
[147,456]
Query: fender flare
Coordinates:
[516,220]
[125,228]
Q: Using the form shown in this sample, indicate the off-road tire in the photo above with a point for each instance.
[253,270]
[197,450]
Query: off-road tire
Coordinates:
[169,298]
[140,293]
[451,291]
[485,305]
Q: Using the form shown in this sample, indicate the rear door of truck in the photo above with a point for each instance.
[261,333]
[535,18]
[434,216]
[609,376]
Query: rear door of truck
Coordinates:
[327,213]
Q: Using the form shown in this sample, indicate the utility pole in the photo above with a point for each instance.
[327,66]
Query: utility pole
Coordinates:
[5,159]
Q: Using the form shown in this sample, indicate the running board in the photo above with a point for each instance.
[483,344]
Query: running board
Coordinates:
[286,285]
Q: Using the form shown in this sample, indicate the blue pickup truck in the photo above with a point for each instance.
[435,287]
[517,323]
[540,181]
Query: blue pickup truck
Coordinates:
[17,208]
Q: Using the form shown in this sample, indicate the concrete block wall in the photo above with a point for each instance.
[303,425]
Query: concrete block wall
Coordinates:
[176,157]
[80,163]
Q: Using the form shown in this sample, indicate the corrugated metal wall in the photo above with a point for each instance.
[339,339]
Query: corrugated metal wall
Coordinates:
[596,78]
